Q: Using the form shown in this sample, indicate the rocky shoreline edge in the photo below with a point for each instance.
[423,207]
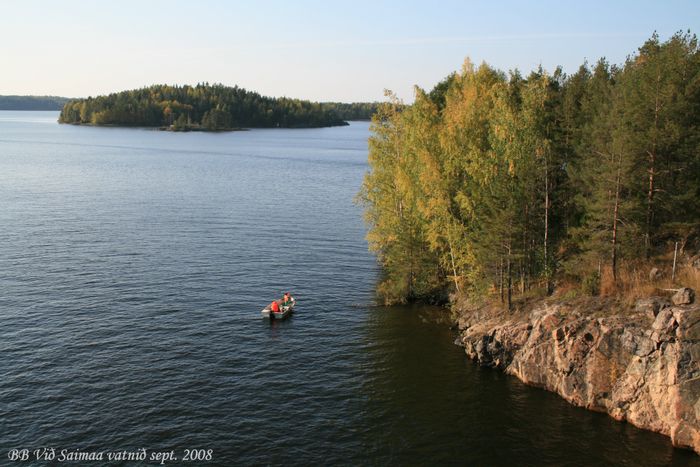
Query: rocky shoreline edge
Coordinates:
[641,366]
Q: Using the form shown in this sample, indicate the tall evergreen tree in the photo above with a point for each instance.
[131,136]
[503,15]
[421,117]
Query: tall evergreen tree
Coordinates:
[657,88]
[500,184]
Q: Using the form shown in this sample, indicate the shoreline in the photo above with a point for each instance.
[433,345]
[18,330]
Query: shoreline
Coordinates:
[197,129]
[642,367]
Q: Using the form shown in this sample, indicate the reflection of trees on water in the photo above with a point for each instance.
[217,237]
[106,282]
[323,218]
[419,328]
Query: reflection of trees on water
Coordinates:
[426,401]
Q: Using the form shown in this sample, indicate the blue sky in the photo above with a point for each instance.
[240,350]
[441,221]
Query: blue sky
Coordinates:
[320,50]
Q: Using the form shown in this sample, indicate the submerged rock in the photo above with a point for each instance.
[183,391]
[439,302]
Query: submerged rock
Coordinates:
[643,368]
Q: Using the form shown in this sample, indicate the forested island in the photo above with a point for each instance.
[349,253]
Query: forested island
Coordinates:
[32,102]
[208,108]
[499,185]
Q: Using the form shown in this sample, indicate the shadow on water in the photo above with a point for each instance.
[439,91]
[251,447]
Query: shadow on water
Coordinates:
[276,326]
[426,400]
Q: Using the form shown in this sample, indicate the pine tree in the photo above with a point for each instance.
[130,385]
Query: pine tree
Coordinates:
[655,87]
[487,183]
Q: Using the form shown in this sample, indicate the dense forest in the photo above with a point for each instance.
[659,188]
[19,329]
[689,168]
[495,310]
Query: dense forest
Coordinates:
[208,107]
[497,184]
[32,102]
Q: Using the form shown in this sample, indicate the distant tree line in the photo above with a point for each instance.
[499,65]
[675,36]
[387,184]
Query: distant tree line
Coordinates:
[353,111]
[32,102]
[208,107]
[494,183]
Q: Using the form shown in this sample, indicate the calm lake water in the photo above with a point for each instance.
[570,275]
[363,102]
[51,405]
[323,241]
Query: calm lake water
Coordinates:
[133,267]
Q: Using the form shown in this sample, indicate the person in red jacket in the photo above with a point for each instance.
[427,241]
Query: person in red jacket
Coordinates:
[275,307]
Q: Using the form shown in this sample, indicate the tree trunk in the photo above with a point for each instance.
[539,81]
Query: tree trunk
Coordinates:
[547,271]
[454,269]
[531,259]
[616,210]
[510,279]
[652,173]
[650,206]
[411,277]
[500,285]
[525,259]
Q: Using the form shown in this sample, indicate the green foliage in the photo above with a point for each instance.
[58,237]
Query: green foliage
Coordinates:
[353,111]
[591,284]
[570,294]
[208,107]
[497,184]
[658,90]
[439,92]
[391,193]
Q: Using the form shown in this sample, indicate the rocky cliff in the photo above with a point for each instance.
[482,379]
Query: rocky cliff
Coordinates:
[642,367]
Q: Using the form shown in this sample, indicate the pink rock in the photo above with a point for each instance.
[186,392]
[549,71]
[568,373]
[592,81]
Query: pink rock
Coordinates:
[646,374]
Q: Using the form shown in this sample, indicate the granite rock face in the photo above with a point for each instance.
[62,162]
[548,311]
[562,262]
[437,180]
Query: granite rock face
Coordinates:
[683,296]
[643,368]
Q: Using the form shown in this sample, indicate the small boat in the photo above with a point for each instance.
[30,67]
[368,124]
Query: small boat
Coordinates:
[283,313]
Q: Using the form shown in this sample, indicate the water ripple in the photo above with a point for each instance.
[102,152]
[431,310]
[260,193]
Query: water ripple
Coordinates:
[133,265]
